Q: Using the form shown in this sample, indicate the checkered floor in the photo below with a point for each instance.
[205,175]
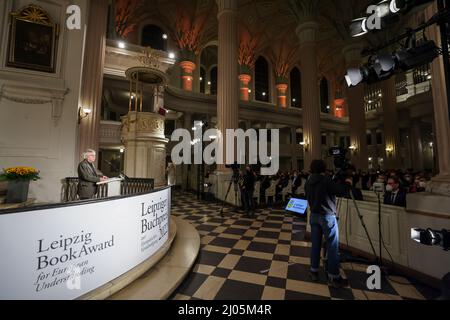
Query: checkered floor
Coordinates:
[266,258]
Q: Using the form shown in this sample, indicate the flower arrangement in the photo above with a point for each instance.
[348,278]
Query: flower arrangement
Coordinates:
[20,173]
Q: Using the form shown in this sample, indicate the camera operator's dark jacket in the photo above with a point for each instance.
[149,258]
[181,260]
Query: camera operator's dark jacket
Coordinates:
[321,194]
[249,181]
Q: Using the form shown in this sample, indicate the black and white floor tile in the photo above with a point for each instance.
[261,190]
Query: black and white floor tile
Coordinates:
[267,258]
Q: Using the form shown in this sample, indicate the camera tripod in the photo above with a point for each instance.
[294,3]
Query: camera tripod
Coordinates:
[361,218]
[232,181]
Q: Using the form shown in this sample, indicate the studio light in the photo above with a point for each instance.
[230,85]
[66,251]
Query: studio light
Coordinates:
[383,65]
[383,8]
[407,5]
[431,237]
[396,5]
[417,56]
[365,73]
[358,27]
[354,77]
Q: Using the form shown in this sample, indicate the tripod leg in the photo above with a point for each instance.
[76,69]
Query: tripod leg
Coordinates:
[361,218]
[225,199]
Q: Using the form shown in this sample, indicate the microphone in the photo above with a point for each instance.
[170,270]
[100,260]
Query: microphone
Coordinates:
[121,174]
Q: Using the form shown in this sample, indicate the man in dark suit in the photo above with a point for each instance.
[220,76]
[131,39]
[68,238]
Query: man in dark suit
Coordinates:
[394,196]
[88,176]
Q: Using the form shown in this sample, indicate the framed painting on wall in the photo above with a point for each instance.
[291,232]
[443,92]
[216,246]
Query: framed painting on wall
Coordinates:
[32,40]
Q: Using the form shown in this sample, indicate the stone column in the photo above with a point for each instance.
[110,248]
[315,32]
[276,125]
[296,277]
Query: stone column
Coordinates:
[92,79]
[187,76]
[227,93]
[187,124]
[416,147]
[307,33]
[228,89]
[356,112]
[281,94]
[390,121]
[196,74]
[441,116]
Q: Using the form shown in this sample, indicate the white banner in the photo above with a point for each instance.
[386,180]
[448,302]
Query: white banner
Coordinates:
[68,251]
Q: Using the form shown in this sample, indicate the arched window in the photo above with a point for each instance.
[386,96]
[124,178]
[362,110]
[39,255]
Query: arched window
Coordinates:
[262,80]
[296,88]
[153,36]
[324,98]
[213,80]
[202,79]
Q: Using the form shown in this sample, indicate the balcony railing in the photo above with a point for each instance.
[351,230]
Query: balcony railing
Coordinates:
[128,187]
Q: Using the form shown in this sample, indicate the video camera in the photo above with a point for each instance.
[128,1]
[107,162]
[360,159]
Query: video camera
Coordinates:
[340,160]
[341,163]
[235,168]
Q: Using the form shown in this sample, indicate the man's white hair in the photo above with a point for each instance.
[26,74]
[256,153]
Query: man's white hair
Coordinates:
[88,152]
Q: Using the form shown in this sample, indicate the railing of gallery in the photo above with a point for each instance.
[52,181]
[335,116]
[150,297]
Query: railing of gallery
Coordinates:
[129,186]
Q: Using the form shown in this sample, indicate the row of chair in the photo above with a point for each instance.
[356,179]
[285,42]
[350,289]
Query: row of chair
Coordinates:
[271,191]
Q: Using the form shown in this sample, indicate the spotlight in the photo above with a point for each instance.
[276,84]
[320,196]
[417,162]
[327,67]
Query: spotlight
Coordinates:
[396,5]
[365,73]
[407,5]
[354,77]
[164,36]
[431,237]
[417,56]
[358,27]
[171,55]
[383,65]
[383,9]
[121,45]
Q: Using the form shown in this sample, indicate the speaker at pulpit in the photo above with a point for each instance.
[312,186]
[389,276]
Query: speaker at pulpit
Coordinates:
[113,186]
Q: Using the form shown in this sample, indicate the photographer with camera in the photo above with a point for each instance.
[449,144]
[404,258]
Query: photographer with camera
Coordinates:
[321,192]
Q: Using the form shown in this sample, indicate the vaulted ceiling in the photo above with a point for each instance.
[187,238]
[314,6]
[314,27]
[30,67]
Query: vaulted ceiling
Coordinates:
[274,23]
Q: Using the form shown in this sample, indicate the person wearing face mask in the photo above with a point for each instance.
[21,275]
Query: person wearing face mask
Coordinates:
[394,196]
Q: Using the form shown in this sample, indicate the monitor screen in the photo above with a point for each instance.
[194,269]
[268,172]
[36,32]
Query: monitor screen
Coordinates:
[298,206]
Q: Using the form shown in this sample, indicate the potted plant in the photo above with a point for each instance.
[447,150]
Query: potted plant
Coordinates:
[18,183]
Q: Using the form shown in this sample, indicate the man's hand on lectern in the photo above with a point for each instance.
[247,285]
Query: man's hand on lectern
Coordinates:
[104,178]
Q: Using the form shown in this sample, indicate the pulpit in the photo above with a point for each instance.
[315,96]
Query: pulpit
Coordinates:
[113,186]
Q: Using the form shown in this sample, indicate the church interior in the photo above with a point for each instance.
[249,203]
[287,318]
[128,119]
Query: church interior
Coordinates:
[120,77]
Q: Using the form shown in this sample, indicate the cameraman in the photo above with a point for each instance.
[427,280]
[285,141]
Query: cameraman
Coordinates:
[248,188]
[321,194]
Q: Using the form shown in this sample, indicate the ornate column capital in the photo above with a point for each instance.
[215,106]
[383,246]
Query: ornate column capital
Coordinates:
[307,32]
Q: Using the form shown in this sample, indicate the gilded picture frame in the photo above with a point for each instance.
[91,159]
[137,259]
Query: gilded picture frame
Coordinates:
[32,40]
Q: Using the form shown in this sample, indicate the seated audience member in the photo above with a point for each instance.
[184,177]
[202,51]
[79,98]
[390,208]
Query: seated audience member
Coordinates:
[296,182]
[282,183]
[419,185]
[365,181]
[394,196]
